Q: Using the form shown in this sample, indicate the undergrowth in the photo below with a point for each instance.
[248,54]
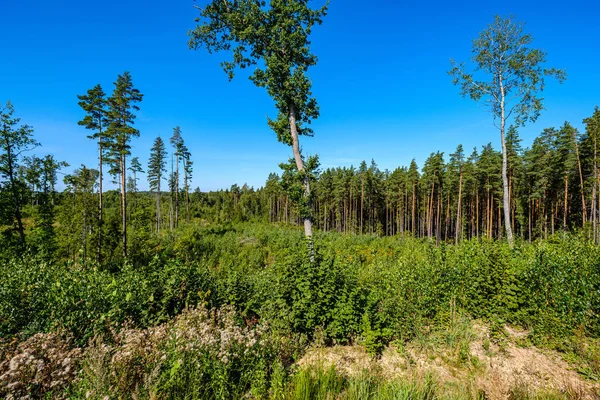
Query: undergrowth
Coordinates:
[359,289]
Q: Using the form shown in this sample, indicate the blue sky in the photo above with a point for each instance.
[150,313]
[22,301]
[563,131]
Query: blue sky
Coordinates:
[381,80]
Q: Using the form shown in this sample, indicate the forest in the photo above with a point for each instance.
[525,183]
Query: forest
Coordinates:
[475,275]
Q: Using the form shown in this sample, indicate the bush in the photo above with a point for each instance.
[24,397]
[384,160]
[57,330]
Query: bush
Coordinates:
[359,287]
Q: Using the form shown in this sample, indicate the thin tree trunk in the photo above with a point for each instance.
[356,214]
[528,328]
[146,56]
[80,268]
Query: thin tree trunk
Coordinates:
[430,216]
[438,230]
[594,194]
[176,190]
[15,192]
[84,233]
[477,218]
[362,201]
[124,203]
[158,207]
[187,204]
[565,211]
[171,223]
[413,230]
[458,209]
[582,189]
[506,198]
[300,165]
[530,217]
[100,205]
[597,235]
[448,217]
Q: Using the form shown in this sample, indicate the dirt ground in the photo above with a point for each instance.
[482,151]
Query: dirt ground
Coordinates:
[490,369]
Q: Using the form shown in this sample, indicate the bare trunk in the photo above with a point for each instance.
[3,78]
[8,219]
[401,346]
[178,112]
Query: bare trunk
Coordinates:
[171,197]
[583,207]
[458,209]
[177,190]
[448,217]
[594,194]
[413,230]
[430,216]
[100,206]
[124,202]
[438,227]
[300,165]
[506,198]
[597,206]
[530,218]
[84,234]
[362,201]
[158,207]
[566,201]
[477,216]
[187,205]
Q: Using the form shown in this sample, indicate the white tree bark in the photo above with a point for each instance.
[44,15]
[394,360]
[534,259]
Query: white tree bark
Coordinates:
[300,166]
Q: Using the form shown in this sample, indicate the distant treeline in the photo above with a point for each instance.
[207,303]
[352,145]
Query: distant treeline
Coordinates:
[553,186]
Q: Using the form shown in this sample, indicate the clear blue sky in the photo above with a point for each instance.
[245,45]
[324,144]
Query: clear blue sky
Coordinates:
[381,79]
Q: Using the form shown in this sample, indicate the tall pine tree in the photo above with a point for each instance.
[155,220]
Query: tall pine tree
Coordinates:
[156,170]
[121,106]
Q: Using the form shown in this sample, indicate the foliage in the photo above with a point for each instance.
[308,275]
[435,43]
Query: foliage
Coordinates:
[358,286]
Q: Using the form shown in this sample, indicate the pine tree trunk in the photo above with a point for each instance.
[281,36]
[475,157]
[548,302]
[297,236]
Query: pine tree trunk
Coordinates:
[438,227]
[176,190]
[171,223]
[187,204]
[84,233]
[596,234]
[582,188]
[448,217]
[458,209]
[362,201]
[565,211]
[477,206]
[124,203]
[100,205]
[594,194]
[430,216]
[413,230]
[530,218]
[158,207]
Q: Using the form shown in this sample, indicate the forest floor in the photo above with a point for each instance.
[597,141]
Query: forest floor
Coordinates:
[471,358]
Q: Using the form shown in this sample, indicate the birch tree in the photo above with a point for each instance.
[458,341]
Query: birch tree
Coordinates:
[509,76]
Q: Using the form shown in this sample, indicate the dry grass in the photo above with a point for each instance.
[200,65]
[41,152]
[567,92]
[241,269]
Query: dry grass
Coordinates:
[495,371]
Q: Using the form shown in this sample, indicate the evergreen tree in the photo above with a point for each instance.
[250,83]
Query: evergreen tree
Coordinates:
[44,223]
[94,103]
[591,148]
[121,106]
[457,161]
[77,212]
[156,170]
[136,168]
[14,141]
[178,152]
[188,169]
